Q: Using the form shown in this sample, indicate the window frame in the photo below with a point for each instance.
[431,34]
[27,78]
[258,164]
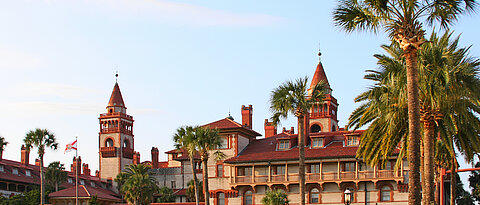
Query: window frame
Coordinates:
[245,195]
[283,144]
[220,172]
[310,195]
[318,144]
[219,201]
[382,190]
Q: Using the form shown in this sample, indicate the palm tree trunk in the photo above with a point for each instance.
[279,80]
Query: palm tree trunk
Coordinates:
[453,180]
[194,179]
[428,172]
[301,158]
[205,179]
[422,168]
[41,180]
[414,197]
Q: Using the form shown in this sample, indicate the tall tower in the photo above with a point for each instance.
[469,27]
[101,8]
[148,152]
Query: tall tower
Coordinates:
[323,115]
[116,141]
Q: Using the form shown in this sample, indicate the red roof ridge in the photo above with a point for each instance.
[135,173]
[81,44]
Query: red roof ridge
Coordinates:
[86,190]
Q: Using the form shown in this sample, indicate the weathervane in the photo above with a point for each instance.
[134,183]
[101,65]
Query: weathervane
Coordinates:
[319,53]
[116,77]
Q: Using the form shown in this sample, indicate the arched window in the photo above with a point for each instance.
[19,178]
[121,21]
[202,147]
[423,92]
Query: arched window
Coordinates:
[314,196]
[109,142]
[126,143]
[325,108]
[248,198]
[385,193]
[220,198]
[315,128]
[334,128]
[110,110]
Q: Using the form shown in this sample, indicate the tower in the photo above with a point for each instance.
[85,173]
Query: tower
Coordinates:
[323,115]
[116,141]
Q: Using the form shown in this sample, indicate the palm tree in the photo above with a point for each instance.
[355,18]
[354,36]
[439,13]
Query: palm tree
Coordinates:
[401,19]
[275,197]
[139,186]
[3,144]
[207,140]
[185,139]
[292,97]
[55,174]
[450,92]
[192,188]
[41,139]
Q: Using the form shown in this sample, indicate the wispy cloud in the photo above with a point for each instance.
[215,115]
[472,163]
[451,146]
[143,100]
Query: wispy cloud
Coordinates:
[190,14]
[15,59]
[42,89]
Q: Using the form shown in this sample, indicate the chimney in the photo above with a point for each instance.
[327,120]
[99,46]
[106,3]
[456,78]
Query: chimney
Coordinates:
[37,162]
[25,155]
[292,130]
[154,157]
[136,158]
[86,170]
[97,173]
[247,116]
[270,129]
[74,165]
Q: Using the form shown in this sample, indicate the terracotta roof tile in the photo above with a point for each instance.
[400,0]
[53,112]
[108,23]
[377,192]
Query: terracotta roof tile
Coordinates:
[116,98]
[84,191]
[319,76]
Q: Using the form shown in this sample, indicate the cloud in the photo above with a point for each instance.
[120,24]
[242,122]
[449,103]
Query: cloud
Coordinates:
[190,14]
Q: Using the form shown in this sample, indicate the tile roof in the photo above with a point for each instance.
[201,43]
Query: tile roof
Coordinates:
[319,76]
[265,149]
[9,165]
[116,98]
[85,191]
[228,124]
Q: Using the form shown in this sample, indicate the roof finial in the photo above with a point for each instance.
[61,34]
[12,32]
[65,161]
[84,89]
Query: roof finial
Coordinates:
[229,116]
[116,76]
[319,53]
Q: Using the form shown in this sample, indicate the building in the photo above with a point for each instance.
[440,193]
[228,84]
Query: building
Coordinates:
[254,165]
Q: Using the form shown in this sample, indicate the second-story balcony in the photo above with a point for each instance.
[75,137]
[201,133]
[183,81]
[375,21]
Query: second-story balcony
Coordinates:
[127,152]
[108,151]
[115,130]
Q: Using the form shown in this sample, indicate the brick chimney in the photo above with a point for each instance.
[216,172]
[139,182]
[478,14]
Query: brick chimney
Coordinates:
[247,116]
[74,165]
[136,158]
[37,162]
[25,155]
[154,157]
[270,129]
[86,170]
[291,131]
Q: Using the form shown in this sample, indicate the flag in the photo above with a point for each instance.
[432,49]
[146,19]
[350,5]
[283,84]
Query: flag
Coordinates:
[71,146]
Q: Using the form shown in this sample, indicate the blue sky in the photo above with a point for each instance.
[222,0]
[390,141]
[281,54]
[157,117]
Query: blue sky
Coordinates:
[180,63]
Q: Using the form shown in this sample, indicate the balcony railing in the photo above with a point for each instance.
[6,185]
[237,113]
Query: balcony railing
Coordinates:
[127,153]
[116,114]
[325,176]
[115,130]
[108,151]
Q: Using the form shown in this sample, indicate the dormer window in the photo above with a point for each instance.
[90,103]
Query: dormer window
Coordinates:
[283,144]
[15,171]
[70,180]
[317,142]
[28,173]
[352,140]
[2,169]
[82,182]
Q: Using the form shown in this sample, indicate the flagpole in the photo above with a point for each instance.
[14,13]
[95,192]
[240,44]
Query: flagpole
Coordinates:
[76,173]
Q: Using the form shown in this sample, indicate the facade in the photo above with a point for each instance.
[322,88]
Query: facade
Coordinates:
[254,165]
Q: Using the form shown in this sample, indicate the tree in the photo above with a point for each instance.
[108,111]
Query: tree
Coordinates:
[185,139]
[401,19]
[474,180]
[138,184]
[207,140]
[28,198]
[41,139]
[3,144]
[93,201]
[293,98]
[450,89]
[275,197]
[192,190]
[166,195]
[55,174]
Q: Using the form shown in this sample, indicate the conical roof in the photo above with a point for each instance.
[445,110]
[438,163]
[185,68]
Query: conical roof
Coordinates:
[116,99]
[319,76]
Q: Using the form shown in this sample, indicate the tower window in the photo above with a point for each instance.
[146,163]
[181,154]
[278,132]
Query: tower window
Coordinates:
[315,128]
[110,110]
[109,142]
[126,144]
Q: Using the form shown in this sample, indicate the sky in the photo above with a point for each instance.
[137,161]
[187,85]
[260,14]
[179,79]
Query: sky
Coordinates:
[179,63]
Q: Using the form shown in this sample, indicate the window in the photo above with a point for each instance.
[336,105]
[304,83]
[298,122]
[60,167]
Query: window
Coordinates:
[28,173]
[352,140]
[317,142]
[220,170]
[92,184]
[2,169]
[126,143]
[385,194]
[364,167]
[315,168]
[223,143]
[283,144]
[388,166]
[70,180]
[314,196]
[245,171]
[174,184]
[248,198]
[349,166]
[82,182]
[15,171]
[221,198]
[315,128]
[278,170]
[109,142]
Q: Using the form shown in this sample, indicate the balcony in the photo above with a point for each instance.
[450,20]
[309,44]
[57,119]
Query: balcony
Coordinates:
[108,151]
[115,130]
[116,114]
[127,153]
